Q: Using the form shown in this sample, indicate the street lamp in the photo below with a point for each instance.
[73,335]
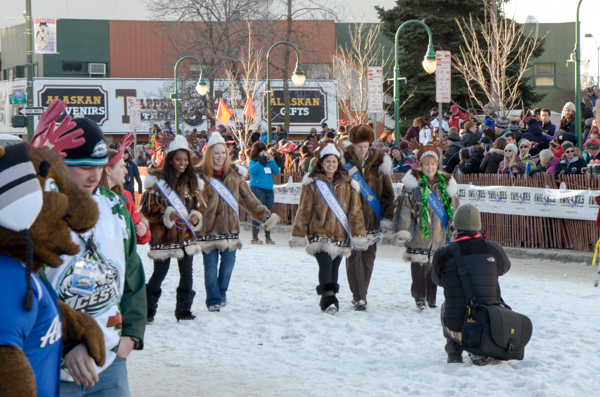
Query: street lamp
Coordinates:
[429,64]
[578,78]
[589,35]
[201,88]
[298,79]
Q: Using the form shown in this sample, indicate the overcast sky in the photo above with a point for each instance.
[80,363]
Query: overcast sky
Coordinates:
[544,10]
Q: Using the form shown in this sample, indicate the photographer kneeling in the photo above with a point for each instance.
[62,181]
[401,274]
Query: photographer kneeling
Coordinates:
[484,261]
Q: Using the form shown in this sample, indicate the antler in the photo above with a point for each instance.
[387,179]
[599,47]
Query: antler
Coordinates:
[48,136]
[442,144]
[127,140]
[164,139]
[413,144]
[193,139]
[314,144]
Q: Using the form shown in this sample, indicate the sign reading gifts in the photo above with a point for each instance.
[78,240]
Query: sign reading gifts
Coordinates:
[307,106]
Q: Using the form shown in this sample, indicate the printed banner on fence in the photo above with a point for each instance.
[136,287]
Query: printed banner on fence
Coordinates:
[509,200]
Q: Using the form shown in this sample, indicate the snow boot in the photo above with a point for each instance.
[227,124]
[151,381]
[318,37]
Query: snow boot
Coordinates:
[223,302]
[480,360]
[214,308]
[431,305]
[268,237]
[455,358]
[152,301]
[360,306]
[421,305]
[327,292]
[184,304]
[255,239]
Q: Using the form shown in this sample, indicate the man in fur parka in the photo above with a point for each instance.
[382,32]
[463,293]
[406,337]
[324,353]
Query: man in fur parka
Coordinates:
[327,231]
[375,167]
[420,228]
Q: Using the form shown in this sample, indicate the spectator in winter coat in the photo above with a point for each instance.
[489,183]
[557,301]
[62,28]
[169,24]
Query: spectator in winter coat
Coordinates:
[511,156]
[400,163]
[484,260]
[262,168]
[592,150]
[534,132]
[387,138]
[413,132]
[547,163]
[567,121]
[470,137]
[524,146]
[473,164]
[132,173]
[451,158]
[456,118]
[280,134]
[424,130]
[571,161]
[140,159]
[493,157]
[305,158]
[312,134]
[548,128]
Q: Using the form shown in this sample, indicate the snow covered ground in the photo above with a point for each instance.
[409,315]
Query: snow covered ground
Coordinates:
[273,340]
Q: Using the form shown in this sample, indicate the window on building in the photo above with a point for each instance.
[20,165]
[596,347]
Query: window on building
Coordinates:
[544,74]
[316,71]
[73,67]
[20,72]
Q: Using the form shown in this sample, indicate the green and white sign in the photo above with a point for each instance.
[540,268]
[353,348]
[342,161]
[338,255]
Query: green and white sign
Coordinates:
[17,98]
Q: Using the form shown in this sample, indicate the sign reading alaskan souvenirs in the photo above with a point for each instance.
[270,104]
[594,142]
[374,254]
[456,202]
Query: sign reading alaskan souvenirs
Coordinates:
[306,107]
[89,101]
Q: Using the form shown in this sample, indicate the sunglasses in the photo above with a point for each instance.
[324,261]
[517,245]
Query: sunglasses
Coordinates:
[570,151]
[523,147]
[507,150]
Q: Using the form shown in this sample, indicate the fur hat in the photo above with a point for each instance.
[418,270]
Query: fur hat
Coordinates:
[327,150]
[215,138]
[257,147]
[179,143]
[361,133]
[467,218]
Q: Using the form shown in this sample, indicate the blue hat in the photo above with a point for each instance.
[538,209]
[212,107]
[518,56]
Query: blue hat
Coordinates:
[489,123]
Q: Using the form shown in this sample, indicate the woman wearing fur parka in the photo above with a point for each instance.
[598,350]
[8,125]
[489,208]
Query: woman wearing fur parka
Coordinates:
[418,226]
[328,239]
[225,190]
[172,235]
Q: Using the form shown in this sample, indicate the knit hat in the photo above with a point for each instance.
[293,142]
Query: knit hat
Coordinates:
[568,137]
[514,126]
[502,123]
[570,106]
[489,123]
[486,140]
[466,218]
[94,152]
[453,136]
[215,138]
[534,152]
[531,121]
[180,143]
[592,144]
[395,148]
[20,189]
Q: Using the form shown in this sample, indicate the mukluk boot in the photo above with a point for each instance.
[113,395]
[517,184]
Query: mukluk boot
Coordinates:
[183,308]
[255,239]
[152,298]
[329,303]
[268,237]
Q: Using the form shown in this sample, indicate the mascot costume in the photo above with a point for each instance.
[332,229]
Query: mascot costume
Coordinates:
[39,205]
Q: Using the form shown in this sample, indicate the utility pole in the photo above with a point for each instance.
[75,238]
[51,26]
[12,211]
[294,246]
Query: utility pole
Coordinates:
[29,66]
[496,78]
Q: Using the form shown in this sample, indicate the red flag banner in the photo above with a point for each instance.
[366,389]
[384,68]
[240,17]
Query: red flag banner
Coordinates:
[223,114]
[249,109]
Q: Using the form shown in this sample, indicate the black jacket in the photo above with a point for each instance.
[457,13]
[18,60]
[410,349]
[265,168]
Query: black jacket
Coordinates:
[451,157]
[491,161]
[535,134]
[470,138]
[548,128]
[574,167]
[473,165]
[484,260]
[132,172]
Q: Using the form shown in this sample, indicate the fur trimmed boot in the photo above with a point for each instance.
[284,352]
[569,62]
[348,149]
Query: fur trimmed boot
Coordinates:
[152,300]
[328,298]
[255,239]
[268,237]
[183,308]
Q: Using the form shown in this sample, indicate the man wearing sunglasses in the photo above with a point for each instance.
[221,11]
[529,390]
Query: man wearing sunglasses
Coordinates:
[570,162]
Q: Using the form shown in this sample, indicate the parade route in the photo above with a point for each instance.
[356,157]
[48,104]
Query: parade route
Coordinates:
[273,340]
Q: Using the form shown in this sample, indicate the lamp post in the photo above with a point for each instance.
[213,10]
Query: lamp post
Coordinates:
[429,64]
[578,78]
[589,35]
[298,78]
[201,89]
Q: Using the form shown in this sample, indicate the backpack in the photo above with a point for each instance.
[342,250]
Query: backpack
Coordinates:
[492,330]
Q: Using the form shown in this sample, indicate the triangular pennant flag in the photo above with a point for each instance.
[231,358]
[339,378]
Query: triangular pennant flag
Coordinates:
[249,109]
[223,114]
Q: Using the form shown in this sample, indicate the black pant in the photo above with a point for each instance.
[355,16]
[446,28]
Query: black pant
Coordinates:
[161,268]
[453,348]
[423,288]
[328,268]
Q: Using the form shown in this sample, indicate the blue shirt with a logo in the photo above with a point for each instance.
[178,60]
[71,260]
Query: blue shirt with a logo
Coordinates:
[38,333]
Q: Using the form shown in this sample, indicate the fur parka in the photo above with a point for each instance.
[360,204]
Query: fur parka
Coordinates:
[407,219]
[377,173]
[315,221]
[221,226]
[169,241]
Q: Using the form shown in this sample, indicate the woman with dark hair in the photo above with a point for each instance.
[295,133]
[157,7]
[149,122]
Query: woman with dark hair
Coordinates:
[224,193]
[387,138]
[171,205]
[493,157]
[330,216]
[424,130]
[262,168]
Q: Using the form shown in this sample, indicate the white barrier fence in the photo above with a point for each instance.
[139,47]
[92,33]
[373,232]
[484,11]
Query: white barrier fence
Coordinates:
[509,200]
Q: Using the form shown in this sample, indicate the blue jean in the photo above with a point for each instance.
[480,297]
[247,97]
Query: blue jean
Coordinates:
[216,278]
[266,197]
[113,383]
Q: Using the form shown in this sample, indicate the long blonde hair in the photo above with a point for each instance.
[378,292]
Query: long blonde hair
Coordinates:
[513,148]
[206,165]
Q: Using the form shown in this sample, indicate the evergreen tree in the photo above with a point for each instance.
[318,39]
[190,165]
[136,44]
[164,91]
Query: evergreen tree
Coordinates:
[440,16]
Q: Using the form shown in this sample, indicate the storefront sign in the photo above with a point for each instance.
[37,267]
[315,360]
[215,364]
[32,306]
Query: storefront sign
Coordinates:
[306,106]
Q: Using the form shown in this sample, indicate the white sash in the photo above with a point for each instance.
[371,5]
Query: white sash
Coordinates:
[225,194]
[335,207]
[175,202]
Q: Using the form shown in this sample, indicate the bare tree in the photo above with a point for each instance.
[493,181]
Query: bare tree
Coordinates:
[351,64]
[495,74]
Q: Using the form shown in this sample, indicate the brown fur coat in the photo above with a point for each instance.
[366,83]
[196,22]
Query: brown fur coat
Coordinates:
[407,220]
[167,240]
[315,219]
[221,227]
[377,173]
